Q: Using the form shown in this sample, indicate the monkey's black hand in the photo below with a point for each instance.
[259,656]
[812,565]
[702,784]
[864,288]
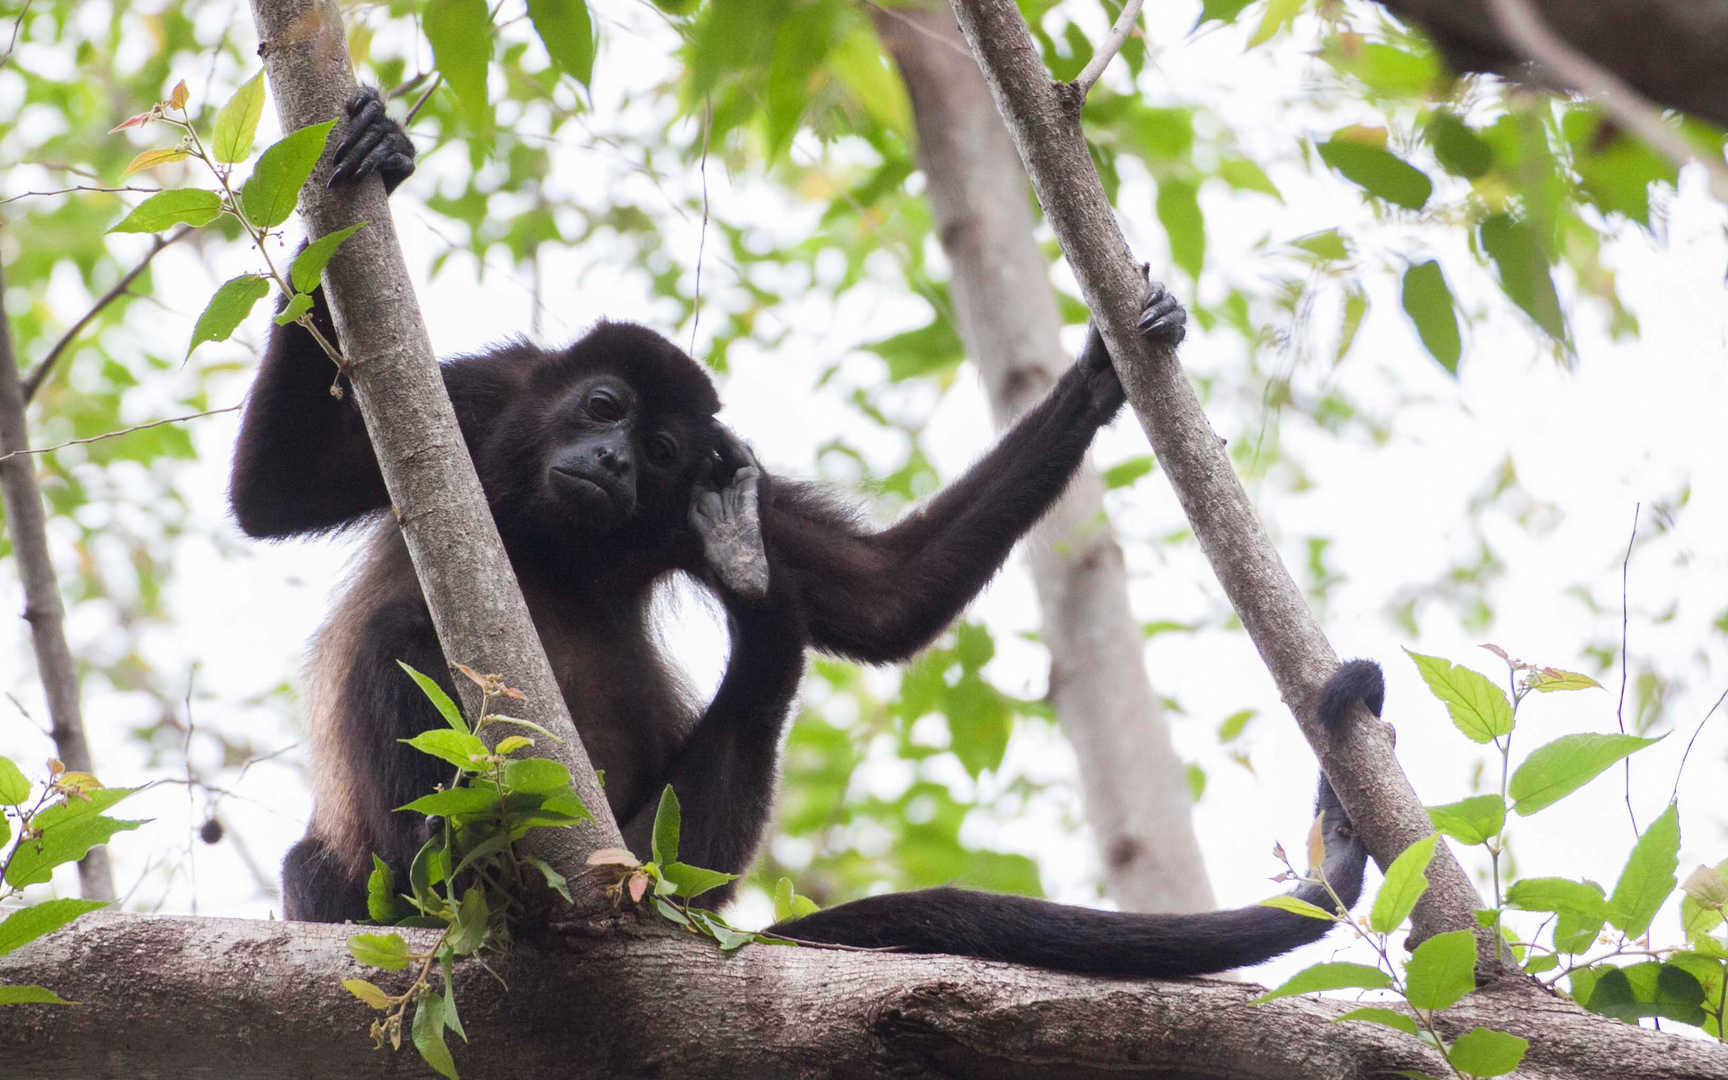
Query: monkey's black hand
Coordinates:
[724,513]
[1163,321]
[373,143]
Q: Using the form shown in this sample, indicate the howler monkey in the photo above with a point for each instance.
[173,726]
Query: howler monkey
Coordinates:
[605,471]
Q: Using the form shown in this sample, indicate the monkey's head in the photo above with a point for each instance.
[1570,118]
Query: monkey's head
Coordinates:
[609,437]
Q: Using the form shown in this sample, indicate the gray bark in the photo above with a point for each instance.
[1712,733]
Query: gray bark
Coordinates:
[1132,783]
[230,999]
[1044,119]
[43,610]
[1669,50]
[476,605]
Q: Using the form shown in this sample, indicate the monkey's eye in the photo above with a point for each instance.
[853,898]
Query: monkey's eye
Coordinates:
[606,406]
[662,449]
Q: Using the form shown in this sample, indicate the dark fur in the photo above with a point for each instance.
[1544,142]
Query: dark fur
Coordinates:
[588,555]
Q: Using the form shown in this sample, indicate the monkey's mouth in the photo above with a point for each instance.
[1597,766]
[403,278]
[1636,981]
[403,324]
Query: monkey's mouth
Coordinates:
[598,499]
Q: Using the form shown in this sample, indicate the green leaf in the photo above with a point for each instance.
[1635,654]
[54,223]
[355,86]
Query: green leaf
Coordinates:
[31,995]
[1479,708]
[1486,1052]
[427,1031]
[1649,989]
[979,723]
[1125,473]
[307,271]
[367,992]
[1459,149]
[1245,175]
[535,776]
[567,31]
[1405,883]
[1472,820]
[455,803]
[1523,265]
[1557,769]
[1328,245]
[788,904]
[14,786]
[1696,920]
[461,35]
[512,743]
[237,122]
[692,881]
[473,913]
[1558,895]
[1377,171]
[1184,226]
[1220,11]
[298,305]
[228,309]
[857,61]
[69,830]
[1429,304]
[667,823]
[667,911]
[1648,878]
[1375,1015]
[1333,975]
[28,924]
[554,880]
[457,747]
[1279,14]
[191,206]
[1298,906]
[430,866]
[434,693]
[387,951]
[381,905]
[273,189]
[1442,970]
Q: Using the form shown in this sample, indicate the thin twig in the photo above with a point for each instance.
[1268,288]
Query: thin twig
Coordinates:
[702,234]
[1625,634]
[17,25]
[1111,45]
[1675,794]
[414,110]
[77,187]
[39,374]
[117,434]
[1527,32]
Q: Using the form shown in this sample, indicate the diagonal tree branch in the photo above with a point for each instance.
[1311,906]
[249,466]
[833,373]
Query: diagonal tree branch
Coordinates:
[476,606]
[1044,119]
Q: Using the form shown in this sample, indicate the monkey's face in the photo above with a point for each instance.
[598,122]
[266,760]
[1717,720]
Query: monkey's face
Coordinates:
[608,462]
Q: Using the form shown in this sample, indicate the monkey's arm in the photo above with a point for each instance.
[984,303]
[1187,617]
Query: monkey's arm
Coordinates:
[724,774]
[881,596]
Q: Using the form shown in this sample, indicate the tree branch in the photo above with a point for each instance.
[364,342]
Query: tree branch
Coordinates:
[231,999]
[1043,118]
[469,587]
[43,610]
[1132,784]
[1109,47]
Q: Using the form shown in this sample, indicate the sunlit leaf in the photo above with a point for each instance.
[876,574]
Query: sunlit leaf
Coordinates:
[273,190]
[1429,303]
[1648,878]
[29,923]
[237,122]
[190,206]
[1486,1052]
[567,31]
[1332,975]
[306,272]
[1442,970]
[1558,768]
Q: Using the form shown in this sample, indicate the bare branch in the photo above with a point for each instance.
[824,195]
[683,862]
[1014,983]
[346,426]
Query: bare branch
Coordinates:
[1109,47]
[39,374]
[117,434]
[75,187]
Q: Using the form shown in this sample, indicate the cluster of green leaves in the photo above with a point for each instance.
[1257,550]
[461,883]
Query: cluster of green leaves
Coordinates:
[467,877]
[261,205]
[63,822]
[1687,983]
[673,884]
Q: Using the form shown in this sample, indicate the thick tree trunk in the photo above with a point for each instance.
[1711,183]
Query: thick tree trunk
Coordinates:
[227,999]
[476,606]
[43,610]
[1131,781]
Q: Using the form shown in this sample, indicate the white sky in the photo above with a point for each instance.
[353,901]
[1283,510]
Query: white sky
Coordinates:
[1634,423]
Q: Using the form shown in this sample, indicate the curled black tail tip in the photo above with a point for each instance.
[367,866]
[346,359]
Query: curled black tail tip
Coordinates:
[1355,680]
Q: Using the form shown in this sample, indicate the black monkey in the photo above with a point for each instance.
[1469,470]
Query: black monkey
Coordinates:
[605,471]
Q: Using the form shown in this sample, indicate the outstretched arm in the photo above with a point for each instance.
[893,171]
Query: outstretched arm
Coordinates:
[879,596]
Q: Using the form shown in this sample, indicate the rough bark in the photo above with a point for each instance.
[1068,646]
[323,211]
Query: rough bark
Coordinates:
[1044,119]
[231,999]
[1669,50]
[43,610]
[1131,781]
[476,605]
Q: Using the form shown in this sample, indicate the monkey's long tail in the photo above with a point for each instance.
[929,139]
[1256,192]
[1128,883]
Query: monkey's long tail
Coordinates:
[959,922]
